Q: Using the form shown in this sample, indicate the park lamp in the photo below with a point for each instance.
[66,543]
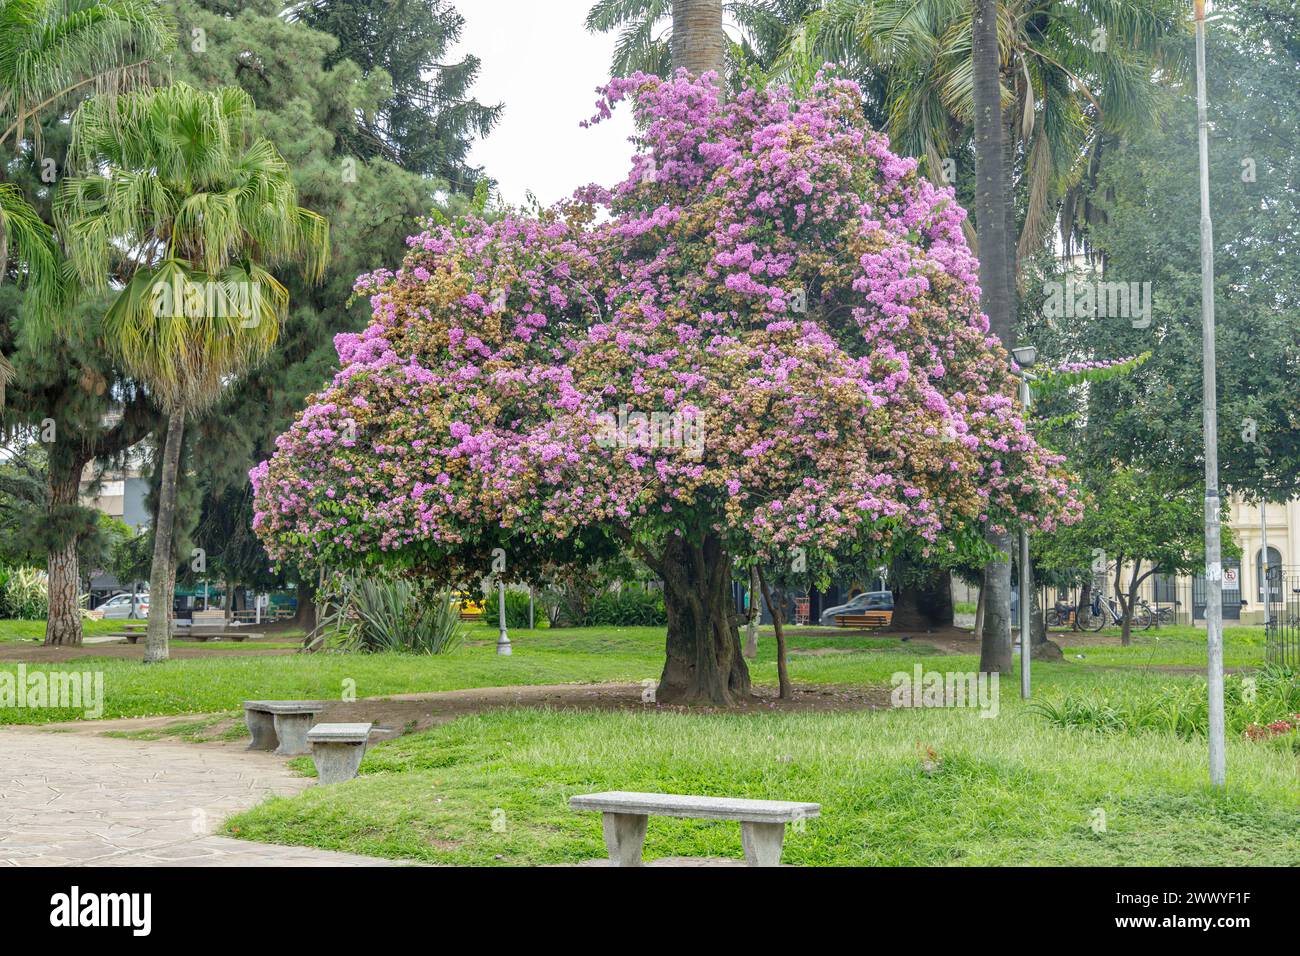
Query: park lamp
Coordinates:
[1025,355]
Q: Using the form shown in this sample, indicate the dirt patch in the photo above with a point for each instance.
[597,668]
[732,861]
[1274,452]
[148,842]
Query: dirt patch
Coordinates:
[27,652]
[407,713]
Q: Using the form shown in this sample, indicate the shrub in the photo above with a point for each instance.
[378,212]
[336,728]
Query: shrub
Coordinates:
[373,615]
[24,594]
[516,609]
[1252,705]
[628,608]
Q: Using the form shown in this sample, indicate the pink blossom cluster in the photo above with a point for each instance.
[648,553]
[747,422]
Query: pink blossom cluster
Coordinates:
[1091,366]
[769,270]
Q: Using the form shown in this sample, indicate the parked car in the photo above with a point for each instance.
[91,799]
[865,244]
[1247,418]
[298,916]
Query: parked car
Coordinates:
[118,607]
[858,604]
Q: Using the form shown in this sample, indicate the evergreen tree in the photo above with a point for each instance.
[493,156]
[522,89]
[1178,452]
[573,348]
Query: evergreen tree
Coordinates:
[428,120]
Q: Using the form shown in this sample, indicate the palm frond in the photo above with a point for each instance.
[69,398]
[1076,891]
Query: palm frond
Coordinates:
[191,210]
[50,49]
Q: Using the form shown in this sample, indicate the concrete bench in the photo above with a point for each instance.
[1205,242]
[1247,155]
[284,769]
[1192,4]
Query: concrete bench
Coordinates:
[762,822]
[337,749]
[281,725]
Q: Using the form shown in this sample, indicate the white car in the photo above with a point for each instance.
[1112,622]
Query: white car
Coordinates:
[118,607]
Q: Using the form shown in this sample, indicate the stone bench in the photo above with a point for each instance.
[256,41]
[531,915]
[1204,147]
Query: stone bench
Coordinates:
[762,822]
[281,725]
[337,749]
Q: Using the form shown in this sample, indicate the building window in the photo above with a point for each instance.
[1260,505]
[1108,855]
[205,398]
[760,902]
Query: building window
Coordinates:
[1164,589]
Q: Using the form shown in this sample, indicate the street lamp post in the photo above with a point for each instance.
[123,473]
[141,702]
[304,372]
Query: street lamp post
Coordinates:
[1210,412]
[503,637]
[1263,561]
[1025,357]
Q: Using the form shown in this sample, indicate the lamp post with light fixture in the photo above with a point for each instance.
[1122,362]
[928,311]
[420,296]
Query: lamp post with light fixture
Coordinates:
[503,636]
[1025,356]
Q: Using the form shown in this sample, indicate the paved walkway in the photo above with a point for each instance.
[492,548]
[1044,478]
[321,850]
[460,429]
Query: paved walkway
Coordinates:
[77,800]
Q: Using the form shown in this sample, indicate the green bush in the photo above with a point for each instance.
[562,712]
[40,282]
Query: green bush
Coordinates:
[24,595]
[516,610]
[1268,697]
[630,607]
[373,615]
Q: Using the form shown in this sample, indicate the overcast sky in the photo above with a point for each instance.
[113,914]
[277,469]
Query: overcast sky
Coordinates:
[540,61]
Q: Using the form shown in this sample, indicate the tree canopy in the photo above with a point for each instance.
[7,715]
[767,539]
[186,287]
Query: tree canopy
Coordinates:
[770,279]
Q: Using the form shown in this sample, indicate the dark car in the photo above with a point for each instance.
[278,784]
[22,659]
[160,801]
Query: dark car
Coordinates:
[858,604]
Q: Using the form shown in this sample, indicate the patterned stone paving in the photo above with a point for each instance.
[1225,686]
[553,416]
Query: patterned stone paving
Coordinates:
[77,800]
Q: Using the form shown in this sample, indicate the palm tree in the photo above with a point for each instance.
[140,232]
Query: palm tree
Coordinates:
[52,51]
[190,211]
[990,205]
[648,30]
[1073,76]
[1059,80]
[698,43]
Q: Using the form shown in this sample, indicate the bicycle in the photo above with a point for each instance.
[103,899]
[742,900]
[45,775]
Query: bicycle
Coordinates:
[1101,613]
[1165,615]
[1062,614]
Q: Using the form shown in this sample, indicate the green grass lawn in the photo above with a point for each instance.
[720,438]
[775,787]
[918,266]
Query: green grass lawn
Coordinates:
[1014,789]
[492,790]
[11,630]
[546,656]
[220,683]
[1179,646]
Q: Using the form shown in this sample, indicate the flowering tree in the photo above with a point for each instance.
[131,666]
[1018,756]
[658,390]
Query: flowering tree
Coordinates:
[768,347]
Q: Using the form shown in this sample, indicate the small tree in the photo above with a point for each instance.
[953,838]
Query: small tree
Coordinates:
[190,211]
[1144,523]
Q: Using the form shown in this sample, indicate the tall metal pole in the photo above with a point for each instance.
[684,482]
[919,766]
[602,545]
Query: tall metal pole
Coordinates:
[503,637]
[1213,557]
[1263,560]
[1025,585]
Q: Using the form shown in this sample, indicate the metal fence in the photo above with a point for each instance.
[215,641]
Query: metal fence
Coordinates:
[1282,644]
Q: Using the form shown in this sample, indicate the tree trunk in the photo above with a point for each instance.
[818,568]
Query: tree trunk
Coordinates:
[995,639]
[755,612]
[704,664]
[1085,599]
[924,605]
[991,227]
[305,614]
[162,574]
[699,45]
[1037,620]
[63,622]
[1040,648]
[1012,226]
[1127,601]
[979,608]
[777,610]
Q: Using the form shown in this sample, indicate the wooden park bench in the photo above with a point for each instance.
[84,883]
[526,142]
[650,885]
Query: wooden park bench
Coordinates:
[866,619]
[625,815]
[281,725]
[337,749]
